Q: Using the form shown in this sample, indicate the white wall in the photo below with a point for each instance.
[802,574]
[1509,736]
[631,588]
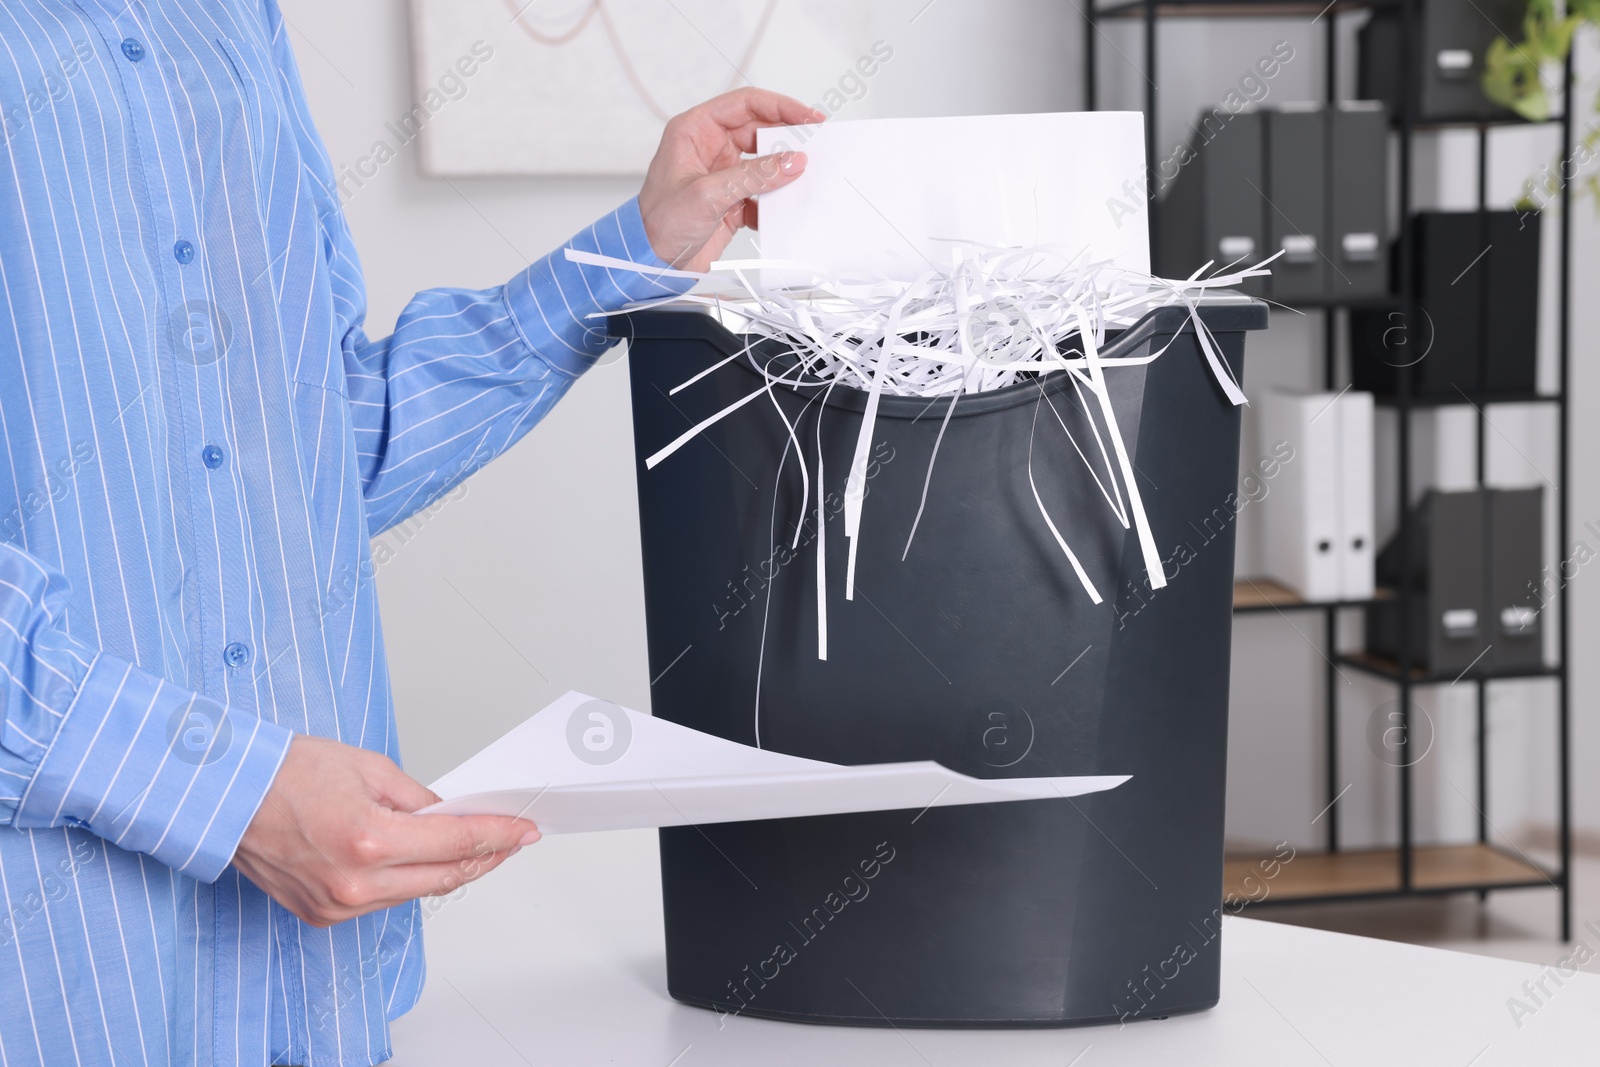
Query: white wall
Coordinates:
[530,584]
[1585,442]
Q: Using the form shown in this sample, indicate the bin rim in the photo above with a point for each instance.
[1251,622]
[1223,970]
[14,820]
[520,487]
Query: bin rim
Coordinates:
[1223,312]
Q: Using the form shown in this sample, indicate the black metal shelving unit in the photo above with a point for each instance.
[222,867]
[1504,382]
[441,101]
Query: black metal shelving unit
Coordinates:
[1409,870]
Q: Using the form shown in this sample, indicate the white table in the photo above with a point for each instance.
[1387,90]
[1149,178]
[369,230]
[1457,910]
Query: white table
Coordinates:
[557,958]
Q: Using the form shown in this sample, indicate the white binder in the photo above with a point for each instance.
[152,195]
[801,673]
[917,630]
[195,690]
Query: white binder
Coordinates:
[1356,490]
[1318,514]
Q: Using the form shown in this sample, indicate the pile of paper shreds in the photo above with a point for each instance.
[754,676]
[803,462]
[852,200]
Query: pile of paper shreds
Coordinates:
[996,317]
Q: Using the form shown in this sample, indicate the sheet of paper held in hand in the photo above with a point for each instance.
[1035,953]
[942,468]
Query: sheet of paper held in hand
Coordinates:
[887,197]
[583,764]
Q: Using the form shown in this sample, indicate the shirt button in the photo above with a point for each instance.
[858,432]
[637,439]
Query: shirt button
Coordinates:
[236,654]
[183,252]
[212,456]
[133,50]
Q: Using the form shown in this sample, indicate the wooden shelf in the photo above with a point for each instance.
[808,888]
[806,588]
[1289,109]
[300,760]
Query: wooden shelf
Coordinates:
[1264,594]
[1327,876]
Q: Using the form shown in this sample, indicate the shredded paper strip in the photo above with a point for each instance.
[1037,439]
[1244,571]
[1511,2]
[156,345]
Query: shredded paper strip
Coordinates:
[996,317]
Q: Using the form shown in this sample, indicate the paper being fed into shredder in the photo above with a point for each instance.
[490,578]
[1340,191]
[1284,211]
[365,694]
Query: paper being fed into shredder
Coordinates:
[583,764]
[890,198]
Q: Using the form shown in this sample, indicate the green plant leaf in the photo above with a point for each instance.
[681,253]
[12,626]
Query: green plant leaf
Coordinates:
[1588,10]
[1511,79]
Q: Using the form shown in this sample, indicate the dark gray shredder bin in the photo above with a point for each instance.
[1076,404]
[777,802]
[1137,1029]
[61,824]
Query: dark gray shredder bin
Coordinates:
[981,651]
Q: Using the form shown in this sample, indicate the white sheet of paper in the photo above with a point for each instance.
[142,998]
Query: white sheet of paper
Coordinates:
[878,195]
[583,764]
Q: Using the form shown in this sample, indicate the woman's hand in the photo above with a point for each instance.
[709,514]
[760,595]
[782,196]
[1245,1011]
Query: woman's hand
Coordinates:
[697,192]
[336,836]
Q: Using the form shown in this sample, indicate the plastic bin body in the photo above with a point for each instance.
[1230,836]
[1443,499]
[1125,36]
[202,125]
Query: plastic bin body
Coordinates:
[980,650]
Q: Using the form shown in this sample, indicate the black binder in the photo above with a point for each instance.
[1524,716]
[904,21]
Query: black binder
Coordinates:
[1516,546]
[1450,39]
[1256,183]
[1214,209]
[1511,303]
[1475,330]
[1474,601]
[1297,203]
[1447,607]
[1359,135]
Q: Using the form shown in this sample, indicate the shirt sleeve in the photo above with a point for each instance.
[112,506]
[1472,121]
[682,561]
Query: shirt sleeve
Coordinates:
[466,373]
[88,740]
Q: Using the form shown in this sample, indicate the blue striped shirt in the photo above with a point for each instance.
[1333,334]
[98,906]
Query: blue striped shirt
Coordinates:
[197,441]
